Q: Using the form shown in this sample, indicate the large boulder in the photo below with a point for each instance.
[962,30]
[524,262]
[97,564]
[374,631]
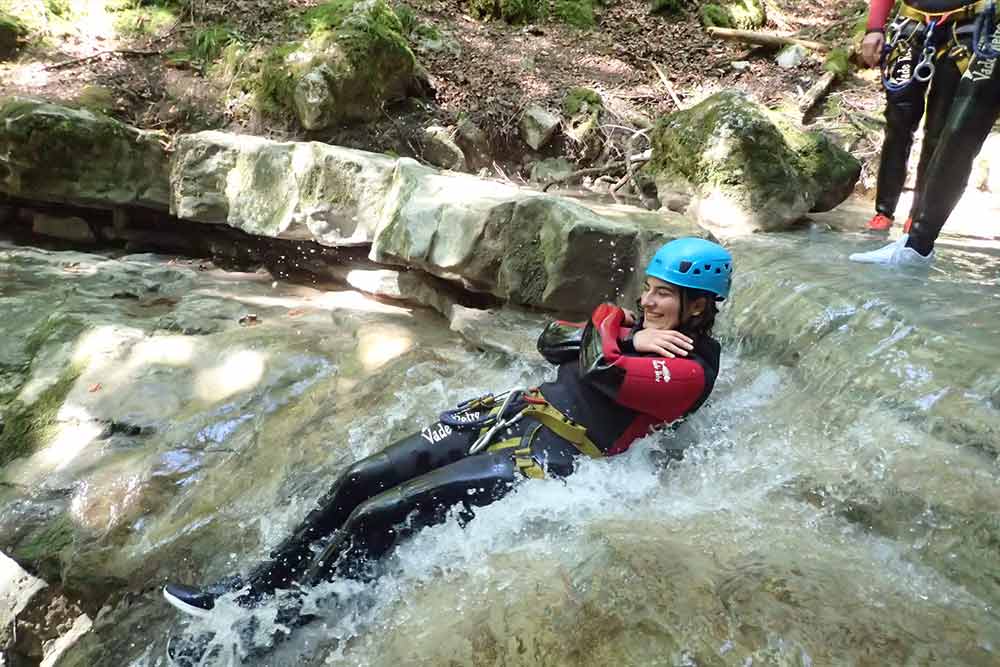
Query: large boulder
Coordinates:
[355,60]
[744,168]
[291,190]
[523,247]
[57,154]
[12,32]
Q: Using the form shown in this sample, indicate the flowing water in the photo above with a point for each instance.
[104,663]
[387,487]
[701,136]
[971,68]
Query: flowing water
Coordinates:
[837,504]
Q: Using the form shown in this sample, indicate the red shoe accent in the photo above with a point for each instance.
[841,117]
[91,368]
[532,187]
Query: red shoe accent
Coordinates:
[880,223]
[907,225]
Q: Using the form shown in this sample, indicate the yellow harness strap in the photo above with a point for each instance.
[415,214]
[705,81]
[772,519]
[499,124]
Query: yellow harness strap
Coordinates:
[555,421]
[968,11]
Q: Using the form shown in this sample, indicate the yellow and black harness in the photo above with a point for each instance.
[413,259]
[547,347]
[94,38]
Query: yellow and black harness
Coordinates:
[912,24]
[515,406]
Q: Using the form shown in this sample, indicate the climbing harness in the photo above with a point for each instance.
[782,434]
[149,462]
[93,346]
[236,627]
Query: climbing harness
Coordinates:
[928,23]
[490,415]
[924,69]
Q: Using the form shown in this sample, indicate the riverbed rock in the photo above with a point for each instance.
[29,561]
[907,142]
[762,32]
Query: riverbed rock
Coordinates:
[12,32]
[355,60]
[474,144]
[17,589]
[515,244]
[744,168]
[538,126]
[57,154]
[551,169]
[279,189]
[69,228]
[441,150]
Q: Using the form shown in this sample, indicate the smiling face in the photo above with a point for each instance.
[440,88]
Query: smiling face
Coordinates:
[661,304]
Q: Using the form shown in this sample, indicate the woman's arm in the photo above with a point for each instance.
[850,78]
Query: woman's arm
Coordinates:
[878,13]
[661,387]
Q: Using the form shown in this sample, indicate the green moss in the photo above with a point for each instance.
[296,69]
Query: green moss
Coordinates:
[667,6]
[578,13]
[838,61]
[142,20]
[511,11]
[207,43]
[59,8]
[12,24]
[746,14]
[28,428]
[274,84]
[580,99]
[407,19]
[46,541]
[714,16]
[96,98]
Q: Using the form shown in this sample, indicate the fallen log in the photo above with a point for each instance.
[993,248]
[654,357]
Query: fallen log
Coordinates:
[817,92]
[766,39]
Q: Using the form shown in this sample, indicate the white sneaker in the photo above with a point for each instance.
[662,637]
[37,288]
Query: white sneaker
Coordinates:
[894,254]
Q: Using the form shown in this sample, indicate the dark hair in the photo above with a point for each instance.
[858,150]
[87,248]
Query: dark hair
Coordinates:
[701,324]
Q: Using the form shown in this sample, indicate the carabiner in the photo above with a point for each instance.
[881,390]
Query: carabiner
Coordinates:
[483,440]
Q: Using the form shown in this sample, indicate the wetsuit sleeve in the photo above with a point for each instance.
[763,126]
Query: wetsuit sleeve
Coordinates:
[878,13]
[560,341]
[657,386]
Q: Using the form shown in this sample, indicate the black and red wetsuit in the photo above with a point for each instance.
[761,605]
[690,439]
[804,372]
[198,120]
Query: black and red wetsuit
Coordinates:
[907,98]
[645,390]
[970,120]
[602,383]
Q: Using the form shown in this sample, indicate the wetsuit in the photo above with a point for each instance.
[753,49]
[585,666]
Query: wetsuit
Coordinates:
[972,116]
[603,385]
[907,97]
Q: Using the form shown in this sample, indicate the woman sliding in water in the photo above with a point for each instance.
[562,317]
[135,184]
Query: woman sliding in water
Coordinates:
[619,377]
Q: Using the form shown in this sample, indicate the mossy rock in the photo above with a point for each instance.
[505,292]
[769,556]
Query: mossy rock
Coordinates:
[579,13]
[747,168]
[743,14]
[53,153]
[667,6]
[511,11]
[581,99]
[12,34]
[27,428]
[354,60]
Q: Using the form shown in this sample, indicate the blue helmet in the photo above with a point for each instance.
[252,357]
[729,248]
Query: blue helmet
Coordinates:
[695,263]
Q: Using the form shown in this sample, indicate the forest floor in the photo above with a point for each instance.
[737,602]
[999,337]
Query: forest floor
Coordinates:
[140,62]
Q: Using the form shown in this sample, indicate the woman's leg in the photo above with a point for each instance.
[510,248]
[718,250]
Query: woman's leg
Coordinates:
[375,526]
[475,481]
[431,448]
[903,110]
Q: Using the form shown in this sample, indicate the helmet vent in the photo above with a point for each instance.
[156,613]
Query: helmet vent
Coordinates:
[684,267]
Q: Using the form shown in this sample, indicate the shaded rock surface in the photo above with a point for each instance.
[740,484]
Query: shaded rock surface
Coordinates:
[56,154]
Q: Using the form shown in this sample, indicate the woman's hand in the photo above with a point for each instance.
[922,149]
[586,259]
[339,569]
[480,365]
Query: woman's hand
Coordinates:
[871,48]
[629,318]
[664,342]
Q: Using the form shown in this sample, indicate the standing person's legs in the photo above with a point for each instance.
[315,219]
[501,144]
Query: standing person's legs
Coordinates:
[903,111]
[943,90]
[969,122]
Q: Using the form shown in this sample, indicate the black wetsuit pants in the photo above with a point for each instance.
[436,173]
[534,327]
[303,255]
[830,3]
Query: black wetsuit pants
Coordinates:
[907,105]
[972,115]
[406,486]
